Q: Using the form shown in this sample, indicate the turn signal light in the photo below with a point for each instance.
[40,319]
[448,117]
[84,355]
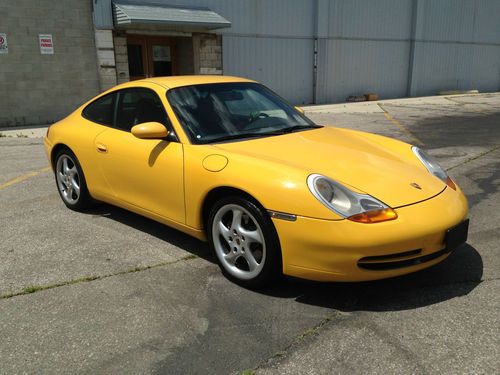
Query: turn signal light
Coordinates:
[375,216]
[451,184]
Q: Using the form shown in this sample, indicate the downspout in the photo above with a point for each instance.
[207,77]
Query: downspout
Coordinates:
[411,59]
[315,51]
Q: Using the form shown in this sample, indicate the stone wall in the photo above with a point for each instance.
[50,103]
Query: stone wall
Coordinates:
[121,58]
[40,89]
[207,53]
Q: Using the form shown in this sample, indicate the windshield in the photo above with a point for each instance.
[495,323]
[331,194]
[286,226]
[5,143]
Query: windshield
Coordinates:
[224,111]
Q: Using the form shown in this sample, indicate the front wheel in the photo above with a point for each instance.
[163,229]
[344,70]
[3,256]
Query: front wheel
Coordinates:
[245,242]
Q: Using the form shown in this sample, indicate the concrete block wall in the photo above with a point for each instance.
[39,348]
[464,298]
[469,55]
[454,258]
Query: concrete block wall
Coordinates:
[40,89]
[207,53]
[121,58]
[106,64]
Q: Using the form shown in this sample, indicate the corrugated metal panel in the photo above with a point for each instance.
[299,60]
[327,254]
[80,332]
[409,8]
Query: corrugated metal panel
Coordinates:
[132,13]
[355,67]
[103,15]
[381,19]
[487,22]
[485,62]
[458,46]
[364,45]
[367,49]
[447,20]
[285,65]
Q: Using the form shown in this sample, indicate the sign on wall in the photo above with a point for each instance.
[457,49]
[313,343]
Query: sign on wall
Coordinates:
[46,44]
[4,48]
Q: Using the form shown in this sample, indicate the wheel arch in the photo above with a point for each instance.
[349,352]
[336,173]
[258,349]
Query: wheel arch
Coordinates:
[55,149]
[219,192]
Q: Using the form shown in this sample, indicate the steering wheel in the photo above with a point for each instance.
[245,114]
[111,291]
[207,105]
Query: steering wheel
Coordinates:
[257,115]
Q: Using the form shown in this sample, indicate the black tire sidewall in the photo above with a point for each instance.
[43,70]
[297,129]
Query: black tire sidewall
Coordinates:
[273,264]
[84,198]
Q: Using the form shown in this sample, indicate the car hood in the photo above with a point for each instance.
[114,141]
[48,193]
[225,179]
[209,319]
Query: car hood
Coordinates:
[379,166]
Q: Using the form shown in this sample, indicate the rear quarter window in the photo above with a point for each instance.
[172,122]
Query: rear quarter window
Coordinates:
[101,110]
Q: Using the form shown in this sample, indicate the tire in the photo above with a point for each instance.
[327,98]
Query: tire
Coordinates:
[245,242]
[70,181]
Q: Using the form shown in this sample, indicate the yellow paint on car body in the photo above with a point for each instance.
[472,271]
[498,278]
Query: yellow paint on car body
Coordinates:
[169,181]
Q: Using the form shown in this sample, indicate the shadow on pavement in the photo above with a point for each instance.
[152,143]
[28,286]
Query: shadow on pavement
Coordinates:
[456,276]
[458,129]
[153,228]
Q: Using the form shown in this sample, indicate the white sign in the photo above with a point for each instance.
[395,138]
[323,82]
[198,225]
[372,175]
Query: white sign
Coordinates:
[46,44]
[161,53]
[4,48]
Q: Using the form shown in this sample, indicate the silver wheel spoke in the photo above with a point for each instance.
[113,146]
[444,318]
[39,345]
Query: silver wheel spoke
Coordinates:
[72,171]
[65,167]
[69,192]
[223,230]
[231,257]
[75,187]
[236,223]
[251,236]
[252,263]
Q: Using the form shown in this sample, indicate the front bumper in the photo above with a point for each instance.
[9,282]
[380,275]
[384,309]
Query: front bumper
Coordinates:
[326,250]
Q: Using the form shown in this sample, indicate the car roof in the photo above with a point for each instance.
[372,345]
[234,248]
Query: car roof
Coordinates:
[178,81]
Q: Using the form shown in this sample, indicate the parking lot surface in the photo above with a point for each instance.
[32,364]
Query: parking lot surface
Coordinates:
[108,291]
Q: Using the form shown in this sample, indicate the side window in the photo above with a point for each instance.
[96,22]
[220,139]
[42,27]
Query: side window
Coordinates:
[101,110]
[136,106]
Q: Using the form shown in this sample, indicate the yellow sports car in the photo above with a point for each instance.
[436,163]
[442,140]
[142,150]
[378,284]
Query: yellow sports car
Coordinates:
[225,159]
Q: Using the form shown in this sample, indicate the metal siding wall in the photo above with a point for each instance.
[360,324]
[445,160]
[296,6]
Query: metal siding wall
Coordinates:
[366,50]
[271,42]
[285,65]
[364,45]
[457,47]
[355,67]
[103,15]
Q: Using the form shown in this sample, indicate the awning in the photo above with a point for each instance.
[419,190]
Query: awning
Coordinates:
[132,14]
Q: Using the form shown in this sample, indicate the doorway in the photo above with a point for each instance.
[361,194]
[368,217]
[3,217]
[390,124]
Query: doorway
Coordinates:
[150,56]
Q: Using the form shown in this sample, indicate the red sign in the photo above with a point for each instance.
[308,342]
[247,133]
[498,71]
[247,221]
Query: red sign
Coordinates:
[46,44]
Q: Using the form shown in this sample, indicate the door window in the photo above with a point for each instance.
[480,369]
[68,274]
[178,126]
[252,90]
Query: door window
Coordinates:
[136,106]
[162,63]
[101,110]
[135,60]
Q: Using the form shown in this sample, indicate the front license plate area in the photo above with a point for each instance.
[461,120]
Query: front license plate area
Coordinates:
[456,236]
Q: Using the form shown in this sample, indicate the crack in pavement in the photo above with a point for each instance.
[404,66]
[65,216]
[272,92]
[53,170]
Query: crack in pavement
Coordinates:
[335,316]
[39,288]
[474,158]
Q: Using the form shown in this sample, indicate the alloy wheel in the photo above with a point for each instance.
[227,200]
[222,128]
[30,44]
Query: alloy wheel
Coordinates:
[239,242]
[68,180]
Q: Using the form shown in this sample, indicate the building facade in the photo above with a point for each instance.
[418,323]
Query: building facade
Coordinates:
[309,51]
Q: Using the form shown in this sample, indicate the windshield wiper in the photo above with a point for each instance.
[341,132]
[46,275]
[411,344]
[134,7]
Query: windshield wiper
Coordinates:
[243,135]
[299,127]
[264,134]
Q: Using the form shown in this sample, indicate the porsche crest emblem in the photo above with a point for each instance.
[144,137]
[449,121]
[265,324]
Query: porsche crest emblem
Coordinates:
[416,186]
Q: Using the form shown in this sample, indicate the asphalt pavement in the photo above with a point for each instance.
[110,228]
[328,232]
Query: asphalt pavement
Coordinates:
[108,291]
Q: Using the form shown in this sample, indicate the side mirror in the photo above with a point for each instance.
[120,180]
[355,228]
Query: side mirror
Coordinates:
[300,109]
[150,130]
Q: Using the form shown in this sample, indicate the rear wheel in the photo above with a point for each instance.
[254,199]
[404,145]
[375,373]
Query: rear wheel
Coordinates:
[70,181]
[245,242]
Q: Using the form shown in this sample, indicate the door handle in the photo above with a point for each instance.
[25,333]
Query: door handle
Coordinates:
[101,148]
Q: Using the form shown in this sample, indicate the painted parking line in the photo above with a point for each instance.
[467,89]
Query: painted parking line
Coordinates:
[401,127]
[24,177]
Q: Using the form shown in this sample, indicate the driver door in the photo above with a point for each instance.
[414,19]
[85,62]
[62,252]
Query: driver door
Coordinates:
[145,173]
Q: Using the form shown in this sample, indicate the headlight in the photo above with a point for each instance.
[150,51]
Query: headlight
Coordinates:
[433,167]
[347,203]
